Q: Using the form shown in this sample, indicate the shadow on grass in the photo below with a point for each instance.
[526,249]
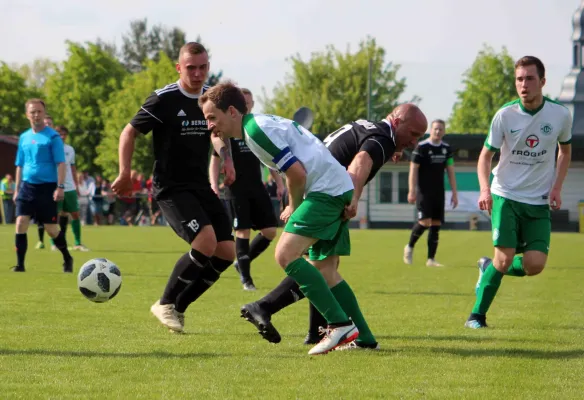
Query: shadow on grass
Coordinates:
[141,251]
[89,354]
[425,293]
[516,353]
[473,339]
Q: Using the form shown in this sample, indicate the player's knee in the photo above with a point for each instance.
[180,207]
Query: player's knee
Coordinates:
[269,233]
[205,241]
[242,233]
[502,262]
[427,222]
[75,215]
[52,230]
[22,224]
[225,250]
[533,264]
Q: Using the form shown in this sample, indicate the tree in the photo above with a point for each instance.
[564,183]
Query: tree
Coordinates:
[75,93]
[13,94]
[334,85]
[37,72]
[120,109]
[488,84]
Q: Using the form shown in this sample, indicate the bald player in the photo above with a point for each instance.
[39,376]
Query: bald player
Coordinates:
[362,147]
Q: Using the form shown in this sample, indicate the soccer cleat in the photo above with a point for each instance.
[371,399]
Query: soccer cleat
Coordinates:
[476,324]
[334,337]
[181,318]
[483,263]
[249,286]
[17,269]
[408,254]
[167,316]
[253,313]
[313,337]
[40,246]
[68,265]
[358,346]
[80,248]
[433,263]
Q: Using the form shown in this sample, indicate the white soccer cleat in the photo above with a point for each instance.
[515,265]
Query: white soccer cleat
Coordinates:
[355,346]
[80,248]
[335,337]
[167,316]
[433,263]
[408,254]
[181,318]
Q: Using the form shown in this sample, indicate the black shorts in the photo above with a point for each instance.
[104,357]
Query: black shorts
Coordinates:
[253,210]
[430,207]
[189,210]
[37,201]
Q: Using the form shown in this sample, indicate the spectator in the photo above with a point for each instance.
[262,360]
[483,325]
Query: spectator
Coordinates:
[7,187]
[84,196]
[98,201]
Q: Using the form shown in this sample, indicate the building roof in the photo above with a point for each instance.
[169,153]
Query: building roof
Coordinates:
[9,139]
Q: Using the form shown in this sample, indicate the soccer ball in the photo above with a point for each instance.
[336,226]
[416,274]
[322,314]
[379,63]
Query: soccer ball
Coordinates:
[99,280]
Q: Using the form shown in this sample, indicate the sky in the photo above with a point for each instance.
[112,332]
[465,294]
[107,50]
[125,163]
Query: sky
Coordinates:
[434,41]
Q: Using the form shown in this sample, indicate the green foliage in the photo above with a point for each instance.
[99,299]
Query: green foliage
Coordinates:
[75,93]
[488,84]
[121,108]
[37,72]
[13,94]
[334,85]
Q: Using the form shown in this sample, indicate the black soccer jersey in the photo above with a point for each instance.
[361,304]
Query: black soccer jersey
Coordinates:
[376,138]
[181,139]
[433,159]
[248,172]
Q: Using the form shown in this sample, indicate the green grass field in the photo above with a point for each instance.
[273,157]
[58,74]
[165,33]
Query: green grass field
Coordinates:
[56,344]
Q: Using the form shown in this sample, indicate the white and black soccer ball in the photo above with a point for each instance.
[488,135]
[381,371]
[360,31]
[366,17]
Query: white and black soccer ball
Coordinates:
[99,280]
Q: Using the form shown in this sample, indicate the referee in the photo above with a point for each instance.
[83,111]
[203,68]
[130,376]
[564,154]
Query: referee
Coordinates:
[181,143]
[429,160]
[40,183]
[250,202]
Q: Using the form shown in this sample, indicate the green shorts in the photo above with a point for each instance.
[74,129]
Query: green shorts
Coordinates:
[69,203]
[320,216]
[521,226]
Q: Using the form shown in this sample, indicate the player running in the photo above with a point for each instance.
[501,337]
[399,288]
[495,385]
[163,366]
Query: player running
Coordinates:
[526,183]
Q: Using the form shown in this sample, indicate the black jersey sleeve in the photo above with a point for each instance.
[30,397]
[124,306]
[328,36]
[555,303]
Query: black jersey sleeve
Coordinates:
[149,115]
[449,156]
[380,149]
[417,156]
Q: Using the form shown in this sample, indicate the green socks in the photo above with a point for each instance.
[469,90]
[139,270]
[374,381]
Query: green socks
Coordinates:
[315,288]
[76,228]
[516,267]
[488,287]
[346,298]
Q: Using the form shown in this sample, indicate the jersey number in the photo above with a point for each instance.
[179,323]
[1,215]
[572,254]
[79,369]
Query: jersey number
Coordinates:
[331,138]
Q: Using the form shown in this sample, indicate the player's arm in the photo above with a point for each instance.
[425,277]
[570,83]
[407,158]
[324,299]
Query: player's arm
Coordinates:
[279,183]
[223,148]
[563,163]
[492,145]
[214,168]
[414,174]
[58,150]
[19,163]
[296,184]
[452,178]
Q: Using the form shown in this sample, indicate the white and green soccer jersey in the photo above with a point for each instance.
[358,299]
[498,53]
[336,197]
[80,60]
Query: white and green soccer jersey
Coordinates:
[69,161]
[528,141]
[279,143]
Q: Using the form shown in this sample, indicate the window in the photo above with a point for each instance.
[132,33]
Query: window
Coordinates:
[385,187]
[403,187]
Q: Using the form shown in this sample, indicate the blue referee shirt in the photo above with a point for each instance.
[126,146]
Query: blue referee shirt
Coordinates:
[38,155]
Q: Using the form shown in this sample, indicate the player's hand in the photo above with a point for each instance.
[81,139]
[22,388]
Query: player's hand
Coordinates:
[15,196]
[122,186]
[280,190]
[411,197]
[351,210]
[59,194]
[454,200]
[229,172]
[555,199]
[285,216]
[486,201]
[396,157]
[215,188]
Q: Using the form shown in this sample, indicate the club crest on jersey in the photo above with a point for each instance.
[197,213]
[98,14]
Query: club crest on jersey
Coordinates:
[532,141]
[546,129]
[443,150]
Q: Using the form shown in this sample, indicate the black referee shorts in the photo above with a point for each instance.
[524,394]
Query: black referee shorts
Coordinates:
[189,210]
[430,207]
[36,200]
[253,210]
